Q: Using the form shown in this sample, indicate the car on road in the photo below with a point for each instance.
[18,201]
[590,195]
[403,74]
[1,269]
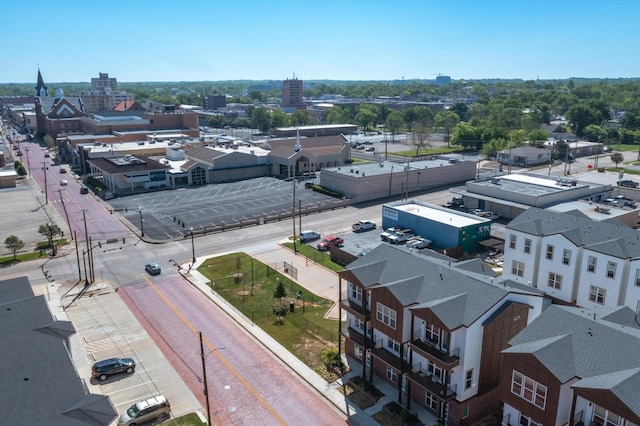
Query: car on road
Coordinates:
[628,183]
[107,367]
[330,241]
[145,411]
[63,182]
[370,149]
[418,243]
[363,225]
[63,170]
[360,147]
[46,155]
[152,268]
[306,236]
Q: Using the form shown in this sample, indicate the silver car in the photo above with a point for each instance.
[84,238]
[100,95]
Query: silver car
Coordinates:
[145,411]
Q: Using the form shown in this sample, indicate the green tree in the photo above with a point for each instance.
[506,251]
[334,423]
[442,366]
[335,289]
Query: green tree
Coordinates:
[461,109]
[300,117]
[394,123]
[467,136]
[537,137]
[279,118]
[50,230]
[261,119]
[420,137]
[365,117]
[331,358]
[49,141]
[257,95]
[617,158]
[581,115]
[491,148]
[560,150]
[631,118]
[447,120]
[279,292]
[16,164]
[22,172]
[14,245]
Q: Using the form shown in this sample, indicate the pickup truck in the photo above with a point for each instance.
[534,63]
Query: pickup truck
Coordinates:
[330,241]
[628,183]
[418,243]
[389,232]
[401,237]
[363,225]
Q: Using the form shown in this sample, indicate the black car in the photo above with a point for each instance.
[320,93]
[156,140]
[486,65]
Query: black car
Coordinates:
[102,369]
[628,183]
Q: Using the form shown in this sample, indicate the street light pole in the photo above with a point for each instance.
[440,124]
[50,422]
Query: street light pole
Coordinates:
[204,376]
[193,248]
[46,194]
[141,223]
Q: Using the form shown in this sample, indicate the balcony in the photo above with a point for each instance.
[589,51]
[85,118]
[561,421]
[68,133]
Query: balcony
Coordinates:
[428,349]
[432,384]
[353,334]
[355,308]
[386,356]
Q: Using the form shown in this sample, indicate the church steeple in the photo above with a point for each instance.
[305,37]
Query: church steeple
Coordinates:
[41,89]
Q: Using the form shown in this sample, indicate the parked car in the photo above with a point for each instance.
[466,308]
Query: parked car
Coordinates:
[145,411]
[63,170]
[330,241]
[107,367]
[84,190]
[418,243]
[63,182]
[389,232]
[628,183]
[46,155]
[370,149]
[486,214]
[363,225]
[152,268]
[306,236]
[360,147]
[401,237]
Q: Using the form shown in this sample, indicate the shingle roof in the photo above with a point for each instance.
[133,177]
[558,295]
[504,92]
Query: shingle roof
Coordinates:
[39,383]
[613,239]
[580,343]
[624,384]
[458,299]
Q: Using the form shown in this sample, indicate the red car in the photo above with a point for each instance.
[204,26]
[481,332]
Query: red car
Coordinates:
[330,241]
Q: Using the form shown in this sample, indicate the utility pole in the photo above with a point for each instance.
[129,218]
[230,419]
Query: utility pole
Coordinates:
[86,237]
[204,377]
[75,237]
[46,194]
[65,212]
[293,213]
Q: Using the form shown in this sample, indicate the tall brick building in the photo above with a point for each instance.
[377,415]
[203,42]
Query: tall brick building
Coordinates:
[292,94]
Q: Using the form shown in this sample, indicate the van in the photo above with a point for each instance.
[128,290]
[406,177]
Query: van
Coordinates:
[306,236]
[84,190]
[146,411]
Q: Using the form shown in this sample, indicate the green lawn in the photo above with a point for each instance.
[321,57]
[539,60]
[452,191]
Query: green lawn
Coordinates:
[427,151]
[249,287]
[42,250]
[191,419]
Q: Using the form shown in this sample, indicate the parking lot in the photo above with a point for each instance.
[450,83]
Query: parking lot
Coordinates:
[169,214]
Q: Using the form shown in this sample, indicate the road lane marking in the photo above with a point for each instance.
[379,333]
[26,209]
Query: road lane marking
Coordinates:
[214,351]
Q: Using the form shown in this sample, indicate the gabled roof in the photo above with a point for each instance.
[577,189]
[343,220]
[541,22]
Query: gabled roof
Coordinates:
[39,383]
[610,238]
[625,385]
[204,153]
[458,299]
[580,343]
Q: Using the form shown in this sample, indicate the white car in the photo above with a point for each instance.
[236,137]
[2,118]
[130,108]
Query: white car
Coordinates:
[418,243]
[63,182]
[486,214]
[363,225]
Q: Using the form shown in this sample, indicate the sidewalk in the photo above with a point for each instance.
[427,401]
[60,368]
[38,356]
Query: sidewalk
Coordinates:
[324,283]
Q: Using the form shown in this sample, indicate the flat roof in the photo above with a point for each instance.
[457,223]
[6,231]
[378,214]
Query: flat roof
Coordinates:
[387,167]
[439,214]
[323,126]
[594,211]
[534,185]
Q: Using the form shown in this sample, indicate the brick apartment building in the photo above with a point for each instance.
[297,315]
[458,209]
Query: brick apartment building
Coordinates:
[292,94]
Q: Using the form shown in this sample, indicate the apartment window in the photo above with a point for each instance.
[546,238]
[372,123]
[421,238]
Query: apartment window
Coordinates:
[391,374]
[356,293]
[566,257]
[435,372]
[528,389]
[432,333]
[526,421]
[611,269]
[638,308]
[393,345]
[357,351]
[549,252]
[468,379]
[466,411]
[527,245]
[386,315]
[591,264]
[637,281]
[512,241]
[555,281]
[517,268]
[597,294]
[430,400]
[358,324]
[605,418]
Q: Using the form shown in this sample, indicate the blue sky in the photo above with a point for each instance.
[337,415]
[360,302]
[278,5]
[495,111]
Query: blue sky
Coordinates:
[195,40]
